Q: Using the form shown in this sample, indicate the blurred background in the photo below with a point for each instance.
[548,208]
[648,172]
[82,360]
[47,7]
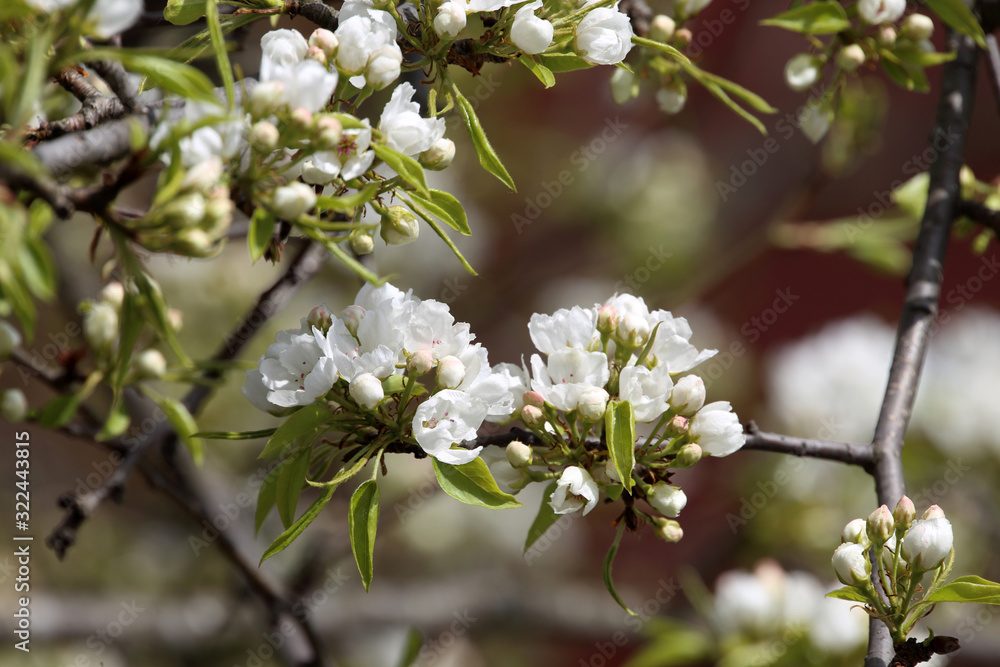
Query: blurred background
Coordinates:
[695,215]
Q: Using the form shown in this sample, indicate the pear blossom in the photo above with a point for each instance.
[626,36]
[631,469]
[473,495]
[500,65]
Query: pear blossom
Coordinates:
[717,429]
[295,370]
[877,12]
[384,66]
[367,390]
[358,37]
[450,19]
[575,490]
[404,128]
[518,454]
[483,384]
[10,338]
[366,9]
[439,156]
[575,327]
[447,418]
[13,405]
[100,326]
[850,561]
[647,390]
[567,374]
[802,72]
[351,158]
[279,51]
[490,5]
[530,33]
[688,395]
[292,200]
[604,36]
[667,500]
[593,403]
[856,531]
[222,138]
[927,543]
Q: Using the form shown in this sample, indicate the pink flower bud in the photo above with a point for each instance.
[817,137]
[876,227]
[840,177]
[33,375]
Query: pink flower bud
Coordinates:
[320,318]
[420,363]
[534,398]
[933,512]
[532,416]
[352,316]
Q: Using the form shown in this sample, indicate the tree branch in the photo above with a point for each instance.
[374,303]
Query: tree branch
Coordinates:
[844,452]
[923,292]
[981,214]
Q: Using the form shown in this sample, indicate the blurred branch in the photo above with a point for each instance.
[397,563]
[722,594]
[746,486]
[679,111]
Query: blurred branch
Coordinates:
[96,107]
[844,452]
[981,214]
[923,292]
[316,11]
[80,508]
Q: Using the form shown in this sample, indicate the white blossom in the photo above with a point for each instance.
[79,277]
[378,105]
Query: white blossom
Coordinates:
[294,369]
[292,200]
[100,326]
[358,37]
[647,390]
[352,157]
[604,36]
[367,390]
[384,66]
[447,418]
[688,395]
[802,72]
[876,12]
[667,500]
[10,338]
[404,128]
[851,563]
[575,327]
[450,19]
[530,33]
[567,374]
[927,543]
[279,51]
[717,429]
[13,405]
[108,18]
[575,490]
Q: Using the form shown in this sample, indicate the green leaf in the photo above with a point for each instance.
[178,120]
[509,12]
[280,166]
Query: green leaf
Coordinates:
[847,593]
[236,435]
[674,644]
[969,588]
[956,14]
[665,48]
[350,262]
[411,648]
[343,474]
[183,12]
[260,232]
[289,485]
[614,491]
[347,203]
[58,411]
[363,521]
[447,208]
[268,494]
[37,268]
[753,99]
[907,76]
[487,156]
[543,520]
[563,62]
[432,223]
[609,561]
[914,55]
[221,55]
[619,429]
[817,18]
[170,75]
[306,423]
[543,73]
[472,483]
[131,326]
[184,424]
[720,93]
[404,165]
[296,528]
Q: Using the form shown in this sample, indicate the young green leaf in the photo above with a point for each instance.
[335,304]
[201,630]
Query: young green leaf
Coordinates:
[563,62]
[817,18]
[619,429]
[131,326]
[116,423]
[847,593]
[447,209]
[304,424]
[183,12]
[170,75]
[184,424]
[58,411]
[543,73]
[404,165]
[487,156]
[609,561]
[543,520]
[363,521]
[236,435]
[432,223]
[296,528]
[260,232]
[411,648]
[472,483]
[958,15]
[969,588]
[221,55]
[289,485]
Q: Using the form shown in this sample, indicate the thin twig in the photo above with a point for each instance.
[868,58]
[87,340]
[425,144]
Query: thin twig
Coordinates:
[923,291]
[980,213]
[118,81]
[844,452]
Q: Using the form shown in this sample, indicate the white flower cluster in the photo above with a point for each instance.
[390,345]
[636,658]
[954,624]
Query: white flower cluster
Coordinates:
[387,332]
[105,18]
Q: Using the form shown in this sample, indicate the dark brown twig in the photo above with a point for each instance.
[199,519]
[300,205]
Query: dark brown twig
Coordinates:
[981,214]
[844,452]
[923,292]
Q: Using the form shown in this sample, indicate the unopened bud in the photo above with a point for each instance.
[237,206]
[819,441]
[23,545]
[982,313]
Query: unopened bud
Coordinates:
[266,99]
[450,372]
[607,319]
[291,201]
[593,403]
[802,72]
[193,242]
[850,561]
[665,499]
[624,85]
[532,416]
[10,338]
[328,132]
[113,294]
[633,330]
[150,364]
[450,19]
[669,531]
[519,454]
[904,513]
[264,137]
[682,38]
[439,156]
[366,390]
[352,316]
[13,405]
[688,395]
[384,66]
[186,210]
[851,57]
[100,326]
[933,512]
[320,318]
[886,36]
[687,456]
[175,319]
[300,120]
[880,525]
[677,426]
[399,226]
[325,40]
[917,27]
[203,176]
[533,398]
[362,243]
[420,363]
[661,28]
[317,54]
[856,531]
[672,97]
